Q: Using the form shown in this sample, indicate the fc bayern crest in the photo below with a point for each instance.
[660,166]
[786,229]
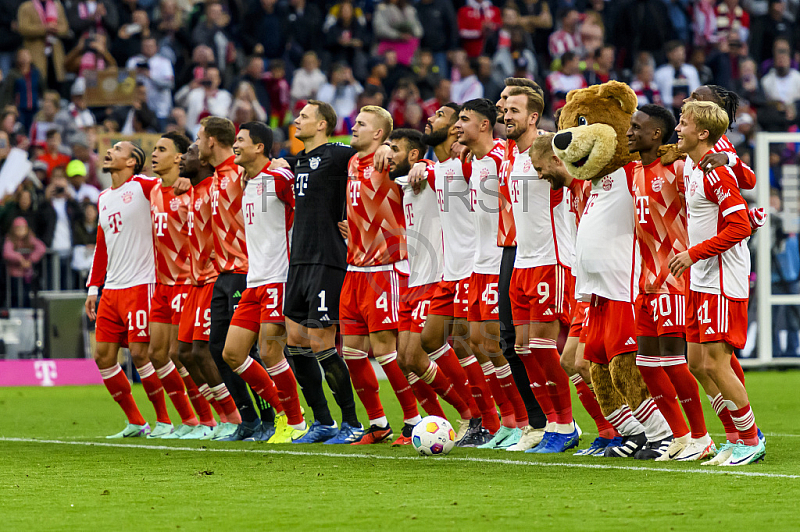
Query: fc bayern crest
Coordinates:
[224,183]
[526,166]
[368,172]
[198,203]
[174,204]
[314,163]
[484,173]
[658,184]
[693,188]
[127,197]
[608,181]
[259,189]
[450,174]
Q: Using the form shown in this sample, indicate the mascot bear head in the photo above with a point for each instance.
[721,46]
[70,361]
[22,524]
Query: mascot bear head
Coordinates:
[591,140]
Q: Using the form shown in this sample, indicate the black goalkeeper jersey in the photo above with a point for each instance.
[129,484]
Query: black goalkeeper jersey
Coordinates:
[320,188]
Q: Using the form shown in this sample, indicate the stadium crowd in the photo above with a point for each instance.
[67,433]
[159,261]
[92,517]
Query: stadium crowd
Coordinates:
[262,59]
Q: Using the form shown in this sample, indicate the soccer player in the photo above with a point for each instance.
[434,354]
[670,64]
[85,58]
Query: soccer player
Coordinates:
[195,325]
[541,284]
[660,305]
[376,269]
[720,267]
[551,169]
[124,265]
[607,275]
[426,260]
[532,433]
[215,140]
[268,207]
[169,213]
[474,128]
[449,306]
[317,268]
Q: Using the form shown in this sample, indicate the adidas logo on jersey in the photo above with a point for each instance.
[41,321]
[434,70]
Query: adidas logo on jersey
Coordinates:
[709,331]
[386,320]
[274,314]
[325,318]
[142,333]
[630,341]
[668,323]
[496,310]
[237,294]
[548,312]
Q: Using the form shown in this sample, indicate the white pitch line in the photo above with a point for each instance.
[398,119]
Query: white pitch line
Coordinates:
[712,471]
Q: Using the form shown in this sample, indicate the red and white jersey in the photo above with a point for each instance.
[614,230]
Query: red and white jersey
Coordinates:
[201,235]
[124,256]
[544,235]
[607,255]
[423,235]
[717,215]
[660,224]
[577,193]
[483,194]
[230,247]
[745,177]
[507,231]
[374,217]
[268,207]
[451,179]
[171,232]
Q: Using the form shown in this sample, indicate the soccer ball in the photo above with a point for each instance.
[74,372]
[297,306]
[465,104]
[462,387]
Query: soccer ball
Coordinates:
[433,436]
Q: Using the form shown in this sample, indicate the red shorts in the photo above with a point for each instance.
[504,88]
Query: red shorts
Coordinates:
[541,294]
[661,315]
[715,318]
[196,316]
[414,306]
[260,304]
[123,316]
[610,330]
[370,301]
[483,297]
[167,303]
[579,311]
[451,299]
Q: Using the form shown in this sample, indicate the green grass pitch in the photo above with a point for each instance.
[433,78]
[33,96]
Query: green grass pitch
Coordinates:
[73,479]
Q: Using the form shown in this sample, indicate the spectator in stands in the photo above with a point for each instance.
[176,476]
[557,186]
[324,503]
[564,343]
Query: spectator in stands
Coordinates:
[567,38]
[59,212]
[245,98]
[405,95]
[207,100]
[212,31]
[441,96]
[676,79]
[781,43]
[509,44]
[477,19]
[304,27]
[766,28]
[643,26]
[394,71]
[279,93]
[264,32]
[342,89]
[467,86]
[377,73]
[10,40]
[782,83]
[492,80]
[748,85]
[177,122]
[602,67]
[155,71]
[84,238]
[92,17]
[22,204]
[137,117]
[538,21]
[79,189]
[79,144]
[567,78]
[130,36]
[426,73]
[21,252]
[643,84]
[347,40]
[308,79]
[76,116]
[439,30]
[704,24]
[173,36]
[43,24]
[53,155]
[396,27]
[698,61]
[23,87]
[91,53]
[733,17]
[253,74]
[13,128]
[592,34]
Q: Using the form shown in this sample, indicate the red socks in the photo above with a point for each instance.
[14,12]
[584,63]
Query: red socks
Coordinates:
[689,395]
[448,361]
[663,392]
[257,377]
[481,393]
[173,385]
[538,381]
[225,401]
[120,389]
[155,392]
[426,396]
[506,408]
[200,404]
[745,423]
[718,404]
[364,381]
[546,353]
[400,385]
[737,368]
[446,389]
[589,402]
[286,384]
[509,387]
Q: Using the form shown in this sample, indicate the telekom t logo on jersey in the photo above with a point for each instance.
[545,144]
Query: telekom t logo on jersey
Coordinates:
[160,222]
[214,201]
[513,190]
[355,192]
[115,222]
[249,212]
[302,184]
[642,208]
[410,214]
